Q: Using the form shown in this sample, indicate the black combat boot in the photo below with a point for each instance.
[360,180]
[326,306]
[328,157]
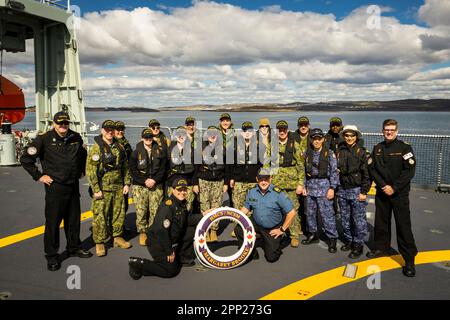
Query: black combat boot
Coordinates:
[332,246]
[347,246]
[310,239]
[409,270]
[135,267]
[356,251]
[377,254]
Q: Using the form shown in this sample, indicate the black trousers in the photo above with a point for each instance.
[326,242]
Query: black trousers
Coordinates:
[62,202]
[399,205]
[160,267]
[272,247]
[302,214]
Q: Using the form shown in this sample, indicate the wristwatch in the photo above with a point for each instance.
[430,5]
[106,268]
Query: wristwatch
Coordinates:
[282,229]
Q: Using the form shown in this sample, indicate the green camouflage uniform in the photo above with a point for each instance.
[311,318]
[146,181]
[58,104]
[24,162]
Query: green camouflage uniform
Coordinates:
[211,193]
[146,202]
[108,212]
[288,178]
[239,193]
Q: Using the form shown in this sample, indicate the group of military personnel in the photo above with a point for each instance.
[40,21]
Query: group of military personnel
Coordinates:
[176,181]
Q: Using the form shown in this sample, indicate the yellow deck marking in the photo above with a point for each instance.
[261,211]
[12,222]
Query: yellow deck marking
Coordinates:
[316,284]
[39,230]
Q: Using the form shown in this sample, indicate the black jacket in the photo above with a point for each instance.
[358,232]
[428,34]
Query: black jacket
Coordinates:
[63,159]
[353,169]
[246,161]
[181,165]
[165,234]
[211,168]
[332,140]
[143,167]
[393,164]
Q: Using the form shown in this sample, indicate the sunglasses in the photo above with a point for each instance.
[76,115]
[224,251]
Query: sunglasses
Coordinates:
[155,127]
[264,126]
[349,135]
[63,123]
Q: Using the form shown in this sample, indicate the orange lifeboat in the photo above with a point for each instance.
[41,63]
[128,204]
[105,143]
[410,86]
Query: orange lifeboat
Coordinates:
[12,102]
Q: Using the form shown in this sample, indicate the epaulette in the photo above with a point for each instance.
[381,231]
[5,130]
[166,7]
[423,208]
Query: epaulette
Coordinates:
[277,189]
[168,202]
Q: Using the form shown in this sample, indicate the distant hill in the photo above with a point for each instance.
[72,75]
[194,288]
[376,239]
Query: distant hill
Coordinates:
[396,105]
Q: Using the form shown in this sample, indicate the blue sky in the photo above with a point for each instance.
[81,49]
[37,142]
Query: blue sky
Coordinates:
[404,10]
[173,52]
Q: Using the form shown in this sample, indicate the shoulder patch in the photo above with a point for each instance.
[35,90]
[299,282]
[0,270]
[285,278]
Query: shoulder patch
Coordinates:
[31,151]
[166,223]
[408,156]
[277,189]
[95,157]
[169,202]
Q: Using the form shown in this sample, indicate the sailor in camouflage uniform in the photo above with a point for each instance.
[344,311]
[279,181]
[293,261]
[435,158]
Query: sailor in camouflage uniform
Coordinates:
[212,176]
[181,165]
[147,167]
[290,173]
[109,179]
[322,179]
[119,134]
[353,189]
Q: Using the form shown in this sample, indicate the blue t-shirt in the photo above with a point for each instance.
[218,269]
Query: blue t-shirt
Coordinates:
[269,209]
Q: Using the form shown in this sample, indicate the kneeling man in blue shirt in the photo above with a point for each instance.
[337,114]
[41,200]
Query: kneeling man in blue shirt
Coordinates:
[272,215]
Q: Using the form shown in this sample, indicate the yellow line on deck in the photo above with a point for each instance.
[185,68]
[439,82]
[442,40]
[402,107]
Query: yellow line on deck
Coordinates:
[316,284]
[39,230]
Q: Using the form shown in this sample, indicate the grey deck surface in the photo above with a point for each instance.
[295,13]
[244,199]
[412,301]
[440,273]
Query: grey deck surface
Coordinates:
[23,270]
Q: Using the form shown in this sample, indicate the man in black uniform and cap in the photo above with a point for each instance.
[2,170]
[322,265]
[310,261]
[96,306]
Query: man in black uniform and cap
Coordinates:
[63,158]
[392,166]
[170,241]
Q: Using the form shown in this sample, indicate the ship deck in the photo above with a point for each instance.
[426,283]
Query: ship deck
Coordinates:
[307,272]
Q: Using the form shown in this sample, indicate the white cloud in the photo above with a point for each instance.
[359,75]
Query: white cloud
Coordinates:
[436,12]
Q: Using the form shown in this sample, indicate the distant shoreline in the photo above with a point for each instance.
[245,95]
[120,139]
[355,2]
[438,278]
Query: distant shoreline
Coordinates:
[433,105]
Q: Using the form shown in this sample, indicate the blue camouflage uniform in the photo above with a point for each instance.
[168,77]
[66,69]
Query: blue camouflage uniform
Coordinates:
[317,189]
[353,215]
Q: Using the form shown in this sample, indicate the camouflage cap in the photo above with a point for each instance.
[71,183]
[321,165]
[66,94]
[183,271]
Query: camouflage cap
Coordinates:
[119,125]
[282,124]
[153,122]
[147,133]
[225,116]
[316,132]
[108,124]
[264,173]
[189,120]
[247,125]
[336,120]
[303,120]
[180,183]
[60,117]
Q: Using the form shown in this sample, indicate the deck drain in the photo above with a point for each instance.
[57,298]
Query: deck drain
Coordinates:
[5,295]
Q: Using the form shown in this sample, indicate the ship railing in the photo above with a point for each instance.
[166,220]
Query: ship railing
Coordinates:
[432,154]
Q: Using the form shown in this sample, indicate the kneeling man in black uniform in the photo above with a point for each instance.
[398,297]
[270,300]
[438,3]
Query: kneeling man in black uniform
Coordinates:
[170,238]
[273,213]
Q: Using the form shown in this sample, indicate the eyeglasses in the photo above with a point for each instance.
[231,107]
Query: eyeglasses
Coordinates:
[155,127]
[349,135]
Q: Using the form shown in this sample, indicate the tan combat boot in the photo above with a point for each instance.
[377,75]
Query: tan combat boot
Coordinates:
[100,250]
[294,243]
[213,236]
[121,243]
[143,239]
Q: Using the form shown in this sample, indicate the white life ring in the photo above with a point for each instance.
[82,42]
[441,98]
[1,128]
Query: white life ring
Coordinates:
[206,256]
